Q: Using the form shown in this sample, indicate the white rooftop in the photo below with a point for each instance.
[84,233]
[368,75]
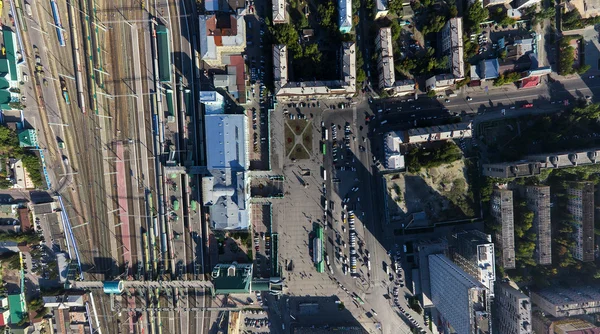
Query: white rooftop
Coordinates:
[345,12]
[226,194]
[213,102]
[226,141]
[279,11]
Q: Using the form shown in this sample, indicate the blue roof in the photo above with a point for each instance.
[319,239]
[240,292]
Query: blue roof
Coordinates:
[226,141]
[490,68]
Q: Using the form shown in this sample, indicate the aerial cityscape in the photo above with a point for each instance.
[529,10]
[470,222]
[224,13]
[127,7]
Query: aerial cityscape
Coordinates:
[301,166]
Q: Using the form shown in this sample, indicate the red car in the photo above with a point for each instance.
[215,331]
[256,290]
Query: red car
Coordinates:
[528,105]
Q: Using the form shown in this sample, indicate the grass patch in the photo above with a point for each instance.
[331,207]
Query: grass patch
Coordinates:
[299,153]
[290,140]
[297,125]
[307,139]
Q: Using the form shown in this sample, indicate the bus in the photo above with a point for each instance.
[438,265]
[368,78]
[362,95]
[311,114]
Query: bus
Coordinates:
[324,148]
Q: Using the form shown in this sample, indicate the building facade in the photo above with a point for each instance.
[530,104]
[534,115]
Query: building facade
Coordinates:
[538,201]
[459,298]
[503,213]
[513,310]
[581,207]
[473,251]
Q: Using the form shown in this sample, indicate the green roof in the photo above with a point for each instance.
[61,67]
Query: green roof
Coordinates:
[28,138]
[11,55]
[16,306]
[232,278]
[3,65]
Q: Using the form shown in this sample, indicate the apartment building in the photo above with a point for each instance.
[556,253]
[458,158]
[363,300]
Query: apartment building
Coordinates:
[385,59]
[513,310]
[452,46]
[503,213]
[538,201]
[581,207]
[286,89]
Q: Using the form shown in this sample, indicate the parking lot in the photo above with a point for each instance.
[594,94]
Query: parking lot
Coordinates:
[261,220]
[255,321]
[259,132]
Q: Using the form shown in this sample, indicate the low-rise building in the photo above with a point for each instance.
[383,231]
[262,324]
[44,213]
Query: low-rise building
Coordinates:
[213,102]
[345,15]
[226,189]
[546,324]
[513,310]
[452,46]
[521,4]
[221,34]
[538,201]
[69,312]
[567,302]
[580,204]
[403,88]
[533,164]
[439,132]
[279,12]
[394,159]
[285,89]
[503,213]
[385,58]
[441,81]
[586,8]
[232,278]
[381,8]
[234,80]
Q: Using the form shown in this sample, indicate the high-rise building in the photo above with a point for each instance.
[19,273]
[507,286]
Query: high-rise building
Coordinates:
[512,310]
[503,213]
[581,207]
[473,251]
[461,300]
[538,201]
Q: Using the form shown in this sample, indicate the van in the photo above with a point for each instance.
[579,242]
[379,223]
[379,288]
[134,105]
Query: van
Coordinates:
[28,9]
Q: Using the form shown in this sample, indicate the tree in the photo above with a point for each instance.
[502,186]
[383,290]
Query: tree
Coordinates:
[584,68]
[395,7]
[288,35]
[396,30]
[566,57]
[502,55]
[453,11]
[435,24]
[476,14]
[431,93]
[326,14]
